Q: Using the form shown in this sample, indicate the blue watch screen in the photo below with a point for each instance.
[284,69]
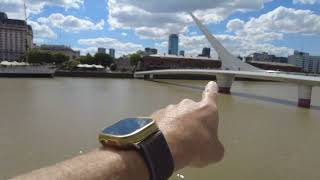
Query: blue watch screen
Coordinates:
[127,126]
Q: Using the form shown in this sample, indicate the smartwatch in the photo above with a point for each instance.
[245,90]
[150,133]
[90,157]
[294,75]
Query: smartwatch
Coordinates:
[144,135]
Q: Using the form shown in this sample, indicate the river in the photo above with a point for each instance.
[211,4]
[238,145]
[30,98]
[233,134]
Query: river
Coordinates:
[44,121]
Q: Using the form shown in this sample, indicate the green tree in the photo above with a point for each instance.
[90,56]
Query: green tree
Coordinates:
[103,59]
[60,58]
[134,59]
[88,59]
[35,57]
[70,65]
[113,67]
[47,57]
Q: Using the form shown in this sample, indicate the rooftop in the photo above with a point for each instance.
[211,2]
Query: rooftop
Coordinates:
[55,47]
[5,20]
[273,63]
[182,57]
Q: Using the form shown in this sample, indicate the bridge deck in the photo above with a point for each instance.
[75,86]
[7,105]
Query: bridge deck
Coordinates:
[281,77]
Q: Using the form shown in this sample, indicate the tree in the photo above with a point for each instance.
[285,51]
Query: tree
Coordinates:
[88,59]
[134,59]
[70,65]
[103,59]
[60,58]
[113,67]
[35,57]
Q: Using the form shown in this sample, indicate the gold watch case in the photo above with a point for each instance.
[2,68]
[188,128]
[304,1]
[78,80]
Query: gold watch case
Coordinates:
[129,140]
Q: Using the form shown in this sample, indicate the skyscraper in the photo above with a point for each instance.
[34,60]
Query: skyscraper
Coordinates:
[102,50]
[205,52]
[181,53]
[173,44]
[150,51]
[112,52]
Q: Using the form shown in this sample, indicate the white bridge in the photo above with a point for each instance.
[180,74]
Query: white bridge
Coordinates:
[233,67]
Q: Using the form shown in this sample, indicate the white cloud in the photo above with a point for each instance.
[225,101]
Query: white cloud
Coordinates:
[306,1]
[286,20]
[15,8]
[84,51]
[70,23]
[235,44]
[124,34]
[42,31]
[257,33]
[157,19]
[235,25]
[106,42]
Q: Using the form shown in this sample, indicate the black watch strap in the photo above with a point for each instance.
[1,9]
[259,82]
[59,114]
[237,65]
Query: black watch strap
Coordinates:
[157,155]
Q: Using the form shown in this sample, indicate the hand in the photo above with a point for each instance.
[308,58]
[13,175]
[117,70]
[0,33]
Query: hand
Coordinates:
[191,130]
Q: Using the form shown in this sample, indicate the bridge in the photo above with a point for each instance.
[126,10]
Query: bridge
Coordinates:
[233,67]
[225,79]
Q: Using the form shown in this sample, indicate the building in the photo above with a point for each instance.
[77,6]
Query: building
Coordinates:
[150,51]
[102,50]
[206,52]
[16,37]
[309,64]
[173,48]
[181,53]
[265,57]
[112,53]
[274,66]
[72,54]
[157,62]
[124,64]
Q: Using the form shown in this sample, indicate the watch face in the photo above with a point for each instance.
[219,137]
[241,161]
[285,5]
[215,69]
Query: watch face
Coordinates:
[127,126]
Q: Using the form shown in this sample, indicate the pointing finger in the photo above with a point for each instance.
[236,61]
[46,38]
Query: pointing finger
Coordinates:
[210,93]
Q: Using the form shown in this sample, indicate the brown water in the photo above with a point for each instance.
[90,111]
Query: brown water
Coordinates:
[44,121]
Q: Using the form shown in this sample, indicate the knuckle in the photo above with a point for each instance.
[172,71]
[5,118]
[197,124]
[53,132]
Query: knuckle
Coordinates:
[171,106]
[208,106]
[186,101]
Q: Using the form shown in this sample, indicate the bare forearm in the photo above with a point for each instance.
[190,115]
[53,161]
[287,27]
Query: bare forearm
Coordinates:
[99,164]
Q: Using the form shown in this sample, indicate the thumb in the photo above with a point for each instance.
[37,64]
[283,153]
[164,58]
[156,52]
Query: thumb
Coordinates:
[210,93]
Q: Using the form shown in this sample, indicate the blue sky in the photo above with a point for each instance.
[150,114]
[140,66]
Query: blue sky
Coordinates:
[243,26]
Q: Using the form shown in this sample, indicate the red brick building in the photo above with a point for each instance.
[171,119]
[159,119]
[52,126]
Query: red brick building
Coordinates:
[276,66]
[156,62]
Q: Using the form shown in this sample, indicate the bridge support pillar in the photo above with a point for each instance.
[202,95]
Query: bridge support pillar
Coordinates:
[151,76]
[304,95]
[137,76]
[224,82]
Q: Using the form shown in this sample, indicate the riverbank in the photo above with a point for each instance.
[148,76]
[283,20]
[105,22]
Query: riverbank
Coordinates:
[92,74]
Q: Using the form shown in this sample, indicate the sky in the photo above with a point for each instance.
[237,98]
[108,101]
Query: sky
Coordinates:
[244,26]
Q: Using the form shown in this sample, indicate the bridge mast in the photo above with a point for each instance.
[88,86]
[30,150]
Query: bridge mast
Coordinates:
[229,61]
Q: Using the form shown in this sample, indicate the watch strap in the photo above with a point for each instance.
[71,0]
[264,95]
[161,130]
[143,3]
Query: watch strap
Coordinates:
[158,157]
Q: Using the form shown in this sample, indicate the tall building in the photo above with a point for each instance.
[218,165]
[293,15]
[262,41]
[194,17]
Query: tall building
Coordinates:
[16,37]
[112,53]
[181,53]
[206,52]
[150,51]
[309,64]
[173,44]
[265,57]
[72,54]
[102,50]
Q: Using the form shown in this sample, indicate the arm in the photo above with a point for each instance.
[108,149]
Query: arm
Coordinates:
[183,125]
[99,164]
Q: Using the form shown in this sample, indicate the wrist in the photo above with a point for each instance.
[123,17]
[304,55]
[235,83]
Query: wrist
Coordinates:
[181,160]
[130,161]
